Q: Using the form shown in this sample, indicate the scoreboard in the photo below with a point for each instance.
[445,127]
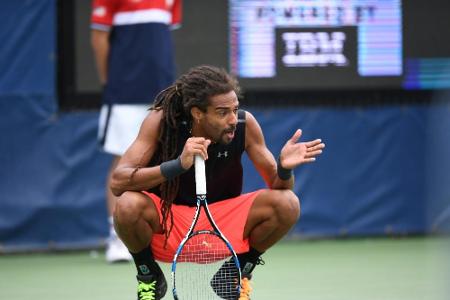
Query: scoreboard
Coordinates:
[328,44]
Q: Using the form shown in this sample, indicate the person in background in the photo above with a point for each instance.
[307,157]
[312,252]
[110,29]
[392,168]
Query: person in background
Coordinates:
[133,50]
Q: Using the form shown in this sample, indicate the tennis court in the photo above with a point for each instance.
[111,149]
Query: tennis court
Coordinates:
[372,269]
[369,78]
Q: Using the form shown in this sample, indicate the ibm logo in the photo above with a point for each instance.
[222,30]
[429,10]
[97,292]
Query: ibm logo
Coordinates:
[309,49]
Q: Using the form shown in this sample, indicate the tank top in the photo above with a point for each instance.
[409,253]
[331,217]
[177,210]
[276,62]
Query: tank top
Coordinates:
[224,174]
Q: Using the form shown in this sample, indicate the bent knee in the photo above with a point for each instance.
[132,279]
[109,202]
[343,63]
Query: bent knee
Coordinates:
[129,206]
[287,206]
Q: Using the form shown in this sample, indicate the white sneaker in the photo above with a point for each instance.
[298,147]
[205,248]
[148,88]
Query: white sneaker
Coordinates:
[116,251]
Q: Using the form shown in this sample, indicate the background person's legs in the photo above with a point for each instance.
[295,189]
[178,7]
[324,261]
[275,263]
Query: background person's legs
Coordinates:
[115,249]
[118,127]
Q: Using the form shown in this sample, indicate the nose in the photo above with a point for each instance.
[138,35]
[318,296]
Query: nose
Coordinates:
[233,119]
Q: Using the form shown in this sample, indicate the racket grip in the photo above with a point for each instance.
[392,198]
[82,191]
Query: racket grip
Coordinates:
[200,177]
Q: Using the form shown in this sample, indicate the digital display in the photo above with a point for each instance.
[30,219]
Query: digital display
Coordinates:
[285,45]
[312,44]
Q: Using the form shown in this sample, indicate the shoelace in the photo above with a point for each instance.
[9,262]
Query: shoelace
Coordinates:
[260,261]
[146,291]
[246,289]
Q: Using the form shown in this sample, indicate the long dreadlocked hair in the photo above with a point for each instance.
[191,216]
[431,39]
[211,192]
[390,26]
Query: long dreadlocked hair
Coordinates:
[192,89]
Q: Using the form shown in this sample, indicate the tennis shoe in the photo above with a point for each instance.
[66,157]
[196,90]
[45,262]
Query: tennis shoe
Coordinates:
[223,275]
[151,287]
[223,290]
[116,251]
[246,288]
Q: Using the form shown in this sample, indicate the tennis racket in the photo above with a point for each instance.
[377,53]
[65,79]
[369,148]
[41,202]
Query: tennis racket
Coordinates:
[205,265]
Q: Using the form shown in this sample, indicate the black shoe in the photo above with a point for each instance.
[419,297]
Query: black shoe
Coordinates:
[151,287]
[222,281]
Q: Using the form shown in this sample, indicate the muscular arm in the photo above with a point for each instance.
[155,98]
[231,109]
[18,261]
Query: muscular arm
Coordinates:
[131,173]
[100,46]
[261,157]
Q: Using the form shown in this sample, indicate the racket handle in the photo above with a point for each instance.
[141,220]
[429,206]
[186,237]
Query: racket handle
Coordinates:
[200,177]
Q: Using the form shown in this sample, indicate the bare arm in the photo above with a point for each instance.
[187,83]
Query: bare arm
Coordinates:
[132,173]
[100,46]
[261,157]
[292,155]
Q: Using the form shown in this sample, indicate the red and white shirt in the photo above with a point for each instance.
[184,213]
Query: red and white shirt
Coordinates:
[141,56]
[107,13]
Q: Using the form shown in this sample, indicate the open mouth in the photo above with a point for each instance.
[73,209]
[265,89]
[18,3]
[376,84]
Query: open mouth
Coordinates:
[229,134]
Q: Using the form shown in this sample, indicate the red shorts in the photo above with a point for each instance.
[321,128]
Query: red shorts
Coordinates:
[230,216]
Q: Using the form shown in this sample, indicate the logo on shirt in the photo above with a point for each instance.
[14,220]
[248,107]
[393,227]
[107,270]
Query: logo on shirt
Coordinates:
[222,154]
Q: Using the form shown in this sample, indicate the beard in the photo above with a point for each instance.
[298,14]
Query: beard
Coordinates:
[227,135]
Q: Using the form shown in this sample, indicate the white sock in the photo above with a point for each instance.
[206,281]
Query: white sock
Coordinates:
[112,231]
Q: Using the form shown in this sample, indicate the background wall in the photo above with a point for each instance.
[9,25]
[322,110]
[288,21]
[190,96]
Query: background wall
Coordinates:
[385,169]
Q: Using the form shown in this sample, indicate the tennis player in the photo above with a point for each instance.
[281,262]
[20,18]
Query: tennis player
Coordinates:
[199,115]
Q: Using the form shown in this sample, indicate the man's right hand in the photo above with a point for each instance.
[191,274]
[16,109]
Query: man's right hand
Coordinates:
[194,146]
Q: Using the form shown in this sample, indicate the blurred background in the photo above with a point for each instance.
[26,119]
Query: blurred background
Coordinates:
[370,78]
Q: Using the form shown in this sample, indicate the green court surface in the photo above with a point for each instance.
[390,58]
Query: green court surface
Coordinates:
[355,269]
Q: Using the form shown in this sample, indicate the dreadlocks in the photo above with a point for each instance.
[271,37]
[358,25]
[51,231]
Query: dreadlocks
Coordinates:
[192,89]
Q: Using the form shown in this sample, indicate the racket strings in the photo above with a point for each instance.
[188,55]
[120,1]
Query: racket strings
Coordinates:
[204,249]
[205,269]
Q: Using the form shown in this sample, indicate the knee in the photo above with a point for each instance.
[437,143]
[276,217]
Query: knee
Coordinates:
[129,207]
[287,206]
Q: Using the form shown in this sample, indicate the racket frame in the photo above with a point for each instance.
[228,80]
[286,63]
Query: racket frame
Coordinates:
[200,179]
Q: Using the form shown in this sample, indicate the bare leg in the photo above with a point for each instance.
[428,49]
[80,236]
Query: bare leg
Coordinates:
[116,250]
[135,219]
[271,216]
[110,198]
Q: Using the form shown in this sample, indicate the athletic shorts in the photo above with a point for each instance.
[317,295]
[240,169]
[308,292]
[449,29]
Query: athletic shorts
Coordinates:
[119,126]
[229,215]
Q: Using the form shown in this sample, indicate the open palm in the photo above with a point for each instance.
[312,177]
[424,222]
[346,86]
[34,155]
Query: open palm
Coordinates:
[295,153]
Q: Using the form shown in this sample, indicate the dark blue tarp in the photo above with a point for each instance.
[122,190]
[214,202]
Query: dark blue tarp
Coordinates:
[28,47]
[51,174]
[384,170]
[52,177]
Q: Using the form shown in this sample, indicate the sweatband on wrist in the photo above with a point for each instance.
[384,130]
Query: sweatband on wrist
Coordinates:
[284,174]
[172,168]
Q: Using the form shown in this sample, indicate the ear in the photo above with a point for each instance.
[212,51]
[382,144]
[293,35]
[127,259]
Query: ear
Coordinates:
[196,113]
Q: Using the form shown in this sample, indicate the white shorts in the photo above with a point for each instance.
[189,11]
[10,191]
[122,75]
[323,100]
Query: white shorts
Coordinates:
[119,126]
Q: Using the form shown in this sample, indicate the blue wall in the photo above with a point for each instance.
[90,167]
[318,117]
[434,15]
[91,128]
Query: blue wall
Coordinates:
[52,174]
[385,169]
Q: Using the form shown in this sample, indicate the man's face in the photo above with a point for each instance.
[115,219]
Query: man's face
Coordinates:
[220,120]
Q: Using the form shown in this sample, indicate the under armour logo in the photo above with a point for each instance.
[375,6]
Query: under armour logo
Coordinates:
[224,154]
